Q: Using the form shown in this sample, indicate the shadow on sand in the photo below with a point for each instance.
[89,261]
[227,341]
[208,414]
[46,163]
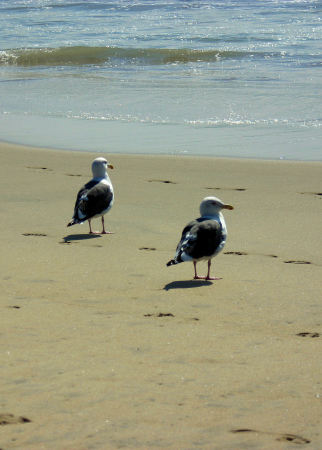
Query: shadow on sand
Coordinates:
[80,237]
[186,284]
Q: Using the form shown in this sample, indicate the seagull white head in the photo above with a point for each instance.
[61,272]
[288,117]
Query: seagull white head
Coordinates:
[99,167]
[211,206]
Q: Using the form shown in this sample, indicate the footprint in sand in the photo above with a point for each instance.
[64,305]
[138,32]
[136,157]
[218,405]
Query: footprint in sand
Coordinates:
[159,315]
[293,438]
[225,189]
[162,181]
[236,253]
[293,261]
[34,234]
[147,248]
[244,253]
[9,419]
[39,168]
[308,334]
[318,194]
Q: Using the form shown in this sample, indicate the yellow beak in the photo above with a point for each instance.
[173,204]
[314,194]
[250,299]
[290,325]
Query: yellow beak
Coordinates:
[228,207]
[110,166]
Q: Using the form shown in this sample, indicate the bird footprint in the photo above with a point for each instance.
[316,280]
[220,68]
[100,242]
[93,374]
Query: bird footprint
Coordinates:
[226,189]
[159,315]
[235,253]
[39,168]
[292,261]
[294,438]
[162,181]
[9,419]
[34,234]
[308,334]
[318,194]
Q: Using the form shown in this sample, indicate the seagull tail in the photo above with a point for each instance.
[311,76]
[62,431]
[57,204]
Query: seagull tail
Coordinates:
[72,222]
[172,262]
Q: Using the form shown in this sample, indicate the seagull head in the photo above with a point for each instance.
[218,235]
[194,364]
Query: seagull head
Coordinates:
[211,206]
[99,167]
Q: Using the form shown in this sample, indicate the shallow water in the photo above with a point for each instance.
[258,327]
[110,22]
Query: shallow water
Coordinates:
[222,78]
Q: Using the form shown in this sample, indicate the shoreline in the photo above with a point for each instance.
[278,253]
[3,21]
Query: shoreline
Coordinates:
[246,158]
[105,347]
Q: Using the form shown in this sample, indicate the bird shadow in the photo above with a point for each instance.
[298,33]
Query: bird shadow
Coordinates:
[186,284]
[79,237]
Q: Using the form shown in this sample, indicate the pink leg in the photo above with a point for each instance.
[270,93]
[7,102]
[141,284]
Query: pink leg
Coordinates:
[103,225]
[208,277]
[90,228]
[196,277]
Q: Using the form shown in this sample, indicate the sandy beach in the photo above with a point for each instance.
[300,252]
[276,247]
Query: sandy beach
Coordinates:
[104,347]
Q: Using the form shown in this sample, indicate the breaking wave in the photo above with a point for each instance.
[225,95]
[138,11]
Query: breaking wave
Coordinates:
[82,55]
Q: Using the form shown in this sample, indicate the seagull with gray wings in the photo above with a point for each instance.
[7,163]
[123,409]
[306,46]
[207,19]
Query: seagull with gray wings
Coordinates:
[203,238]
[95,198]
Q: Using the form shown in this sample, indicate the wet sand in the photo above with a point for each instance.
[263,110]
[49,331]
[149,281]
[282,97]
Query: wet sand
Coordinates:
[103,346]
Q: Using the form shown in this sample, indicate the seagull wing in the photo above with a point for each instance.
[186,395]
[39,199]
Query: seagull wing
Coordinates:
[92,199]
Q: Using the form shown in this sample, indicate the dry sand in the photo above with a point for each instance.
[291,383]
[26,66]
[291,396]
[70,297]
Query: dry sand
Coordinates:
[104,347]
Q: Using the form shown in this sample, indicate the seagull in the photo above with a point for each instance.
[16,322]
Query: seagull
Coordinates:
[203,238]
[95,198]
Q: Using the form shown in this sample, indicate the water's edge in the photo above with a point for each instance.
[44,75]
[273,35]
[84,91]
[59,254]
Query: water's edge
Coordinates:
[157,155]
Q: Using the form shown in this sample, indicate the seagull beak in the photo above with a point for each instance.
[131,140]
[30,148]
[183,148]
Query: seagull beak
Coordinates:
[228,207]
[110,166]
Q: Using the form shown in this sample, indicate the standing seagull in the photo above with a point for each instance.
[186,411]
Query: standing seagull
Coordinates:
[96,197]
[203,238]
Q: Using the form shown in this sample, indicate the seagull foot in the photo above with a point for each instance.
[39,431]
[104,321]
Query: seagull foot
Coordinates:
[206,278]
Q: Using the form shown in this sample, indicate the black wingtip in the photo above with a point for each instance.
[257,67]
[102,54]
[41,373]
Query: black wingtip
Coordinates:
[171,262]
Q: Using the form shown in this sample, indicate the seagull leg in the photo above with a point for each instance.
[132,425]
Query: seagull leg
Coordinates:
[103,225]
[90,228]
[208,277]
[196,277]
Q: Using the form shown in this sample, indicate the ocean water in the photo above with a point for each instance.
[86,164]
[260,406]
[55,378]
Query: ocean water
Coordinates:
[235,78]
